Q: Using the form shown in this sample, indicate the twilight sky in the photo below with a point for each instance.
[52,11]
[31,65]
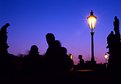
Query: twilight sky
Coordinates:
[31,20]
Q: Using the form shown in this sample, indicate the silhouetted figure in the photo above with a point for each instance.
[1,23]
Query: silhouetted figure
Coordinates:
[110,40]
[80,65]
[3,39]
[114,46]
[50,38]
[116,25]
[81,61]
[116,29]
[32,64]
[65,61]
[7,65]
[57,61]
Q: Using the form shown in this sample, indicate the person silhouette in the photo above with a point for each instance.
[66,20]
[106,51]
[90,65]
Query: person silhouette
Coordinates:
[81,62]
[56,59]
[32,64]
[50,38]
[67,61]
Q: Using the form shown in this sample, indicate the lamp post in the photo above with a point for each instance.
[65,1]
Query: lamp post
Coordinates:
[106,58]
[92,22]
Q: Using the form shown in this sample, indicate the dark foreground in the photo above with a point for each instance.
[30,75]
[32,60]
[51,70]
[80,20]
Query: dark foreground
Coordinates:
[73,77]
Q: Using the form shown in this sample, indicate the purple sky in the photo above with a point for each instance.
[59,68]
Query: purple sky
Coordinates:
[31,20]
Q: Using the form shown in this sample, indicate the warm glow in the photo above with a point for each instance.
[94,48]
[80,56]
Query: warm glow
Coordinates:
[70,55]
[91,22]
[106,56]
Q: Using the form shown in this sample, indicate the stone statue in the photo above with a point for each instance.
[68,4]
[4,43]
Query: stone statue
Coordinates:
[116,25]
[3,39]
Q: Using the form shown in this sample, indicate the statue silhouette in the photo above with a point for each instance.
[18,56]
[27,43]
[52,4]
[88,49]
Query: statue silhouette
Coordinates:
[114,46]
[7,66]
[110,40]
[116,25]
[3,39]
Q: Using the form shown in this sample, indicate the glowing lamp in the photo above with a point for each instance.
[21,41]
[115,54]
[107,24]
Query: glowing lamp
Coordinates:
[91,21]
[106,56]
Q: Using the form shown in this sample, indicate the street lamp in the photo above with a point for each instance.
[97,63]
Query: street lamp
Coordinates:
[106,56]
[92,22]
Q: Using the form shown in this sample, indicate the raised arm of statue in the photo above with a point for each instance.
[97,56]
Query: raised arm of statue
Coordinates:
[116,21]
[3,29]
[116,25]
